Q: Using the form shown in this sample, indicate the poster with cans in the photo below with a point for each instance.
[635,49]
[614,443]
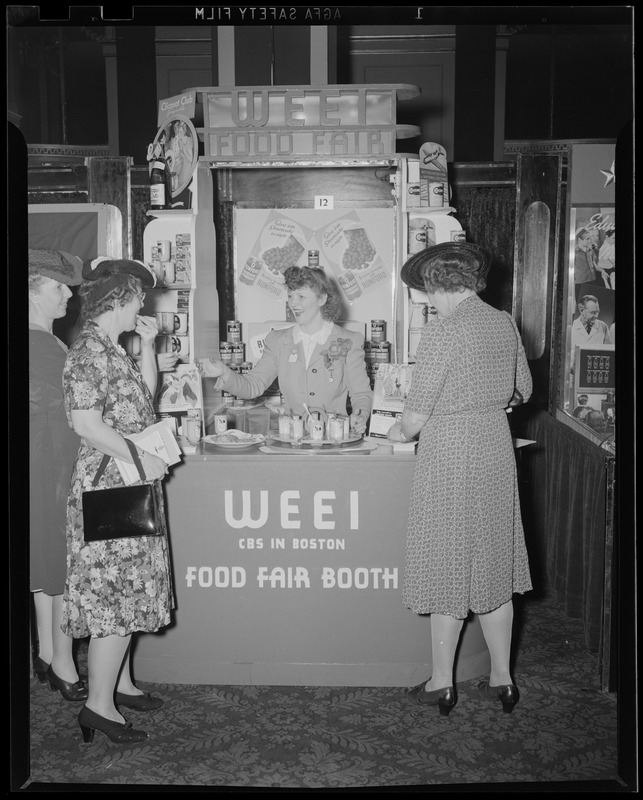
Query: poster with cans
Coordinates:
[180,390]
[356,247]
[280,243]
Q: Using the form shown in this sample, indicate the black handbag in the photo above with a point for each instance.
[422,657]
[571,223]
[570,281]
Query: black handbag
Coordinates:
[122,511]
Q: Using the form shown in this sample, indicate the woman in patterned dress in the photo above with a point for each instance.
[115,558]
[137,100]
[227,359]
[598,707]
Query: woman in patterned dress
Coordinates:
[465,543]
[114,587]
[52,452]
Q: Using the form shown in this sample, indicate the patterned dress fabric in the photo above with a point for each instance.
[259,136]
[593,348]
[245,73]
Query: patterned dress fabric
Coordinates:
[115,586]
[465,542]
[52,450]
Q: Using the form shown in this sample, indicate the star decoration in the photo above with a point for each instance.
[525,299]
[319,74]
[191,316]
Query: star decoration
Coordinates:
[610,176]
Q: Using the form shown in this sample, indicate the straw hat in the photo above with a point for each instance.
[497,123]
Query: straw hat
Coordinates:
[472,258]
[106,267]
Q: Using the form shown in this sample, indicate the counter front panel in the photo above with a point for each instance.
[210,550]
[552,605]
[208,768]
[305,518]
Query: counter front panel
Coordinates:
[288,571]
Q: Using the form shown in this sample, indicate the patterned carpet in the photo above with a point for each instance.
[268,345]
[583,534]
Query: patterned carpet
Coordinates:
[563,730]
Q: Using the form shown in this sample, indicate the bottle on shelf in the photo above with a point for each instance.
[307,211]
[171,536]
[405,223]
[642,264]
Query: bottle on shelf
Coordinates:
[159,191]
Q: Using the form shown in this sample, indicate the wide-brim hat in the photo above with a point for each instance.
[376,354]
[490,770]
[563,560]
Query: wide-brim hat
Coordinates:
[56,264]
[105,267]
[475,260]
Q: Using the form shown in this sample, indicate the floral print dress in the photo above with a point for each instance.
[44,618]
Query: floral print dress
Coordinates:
[123,585]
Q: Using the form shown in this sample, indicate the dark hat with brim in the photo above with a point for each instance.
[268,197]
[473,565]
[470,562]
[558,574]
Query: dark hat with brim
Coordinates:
[473,259]
[105,267]
[62,267]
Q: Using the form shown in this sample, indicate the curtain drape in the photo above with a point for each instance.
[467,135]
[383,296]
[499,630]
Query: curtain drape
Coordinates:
[563,483]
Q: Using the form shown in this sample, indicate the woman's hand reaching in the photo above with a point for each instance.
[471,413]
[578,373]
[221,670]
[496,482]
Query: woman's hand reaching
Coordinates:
[211,368]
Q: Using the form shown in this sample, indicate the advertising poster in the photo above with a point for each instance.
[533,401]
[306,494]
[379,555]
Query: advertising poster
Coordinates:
[355,246]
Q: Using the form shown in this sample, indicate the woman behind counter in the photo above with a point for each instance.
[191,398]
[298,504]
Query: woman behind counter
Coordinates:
[114,587]
[465,544]
[319,364]
[52,449]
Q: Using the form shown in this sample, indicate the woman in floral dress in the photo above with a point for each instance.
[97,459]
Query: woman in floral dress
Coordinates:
[320,365]
[114,587]
[465,543]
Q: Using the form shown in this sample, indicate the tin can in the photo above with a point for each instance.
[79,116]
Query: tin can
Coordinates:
[233,328]
[251,269]
[225,352]
[378,330]
[379,352]
[313,258]
[238,353]
[220,423]
[349,285]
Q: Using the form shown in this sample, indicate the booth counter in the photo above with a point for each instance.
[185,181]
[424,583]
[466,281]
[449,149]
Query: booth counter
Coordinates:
[288,571]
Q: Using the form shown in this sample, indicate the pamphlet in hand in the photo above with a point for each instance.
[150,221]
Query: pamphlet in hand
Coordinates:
[392,383]
[157,439]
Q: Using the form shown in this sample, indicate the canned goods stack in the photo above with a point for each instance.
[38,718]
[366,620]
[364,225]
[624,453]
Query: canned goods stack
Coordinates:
[376,350]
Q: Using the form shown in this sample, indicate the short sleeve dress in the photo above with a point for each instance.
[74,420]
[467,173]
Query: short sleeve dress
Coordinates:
[465,542]
[116,586]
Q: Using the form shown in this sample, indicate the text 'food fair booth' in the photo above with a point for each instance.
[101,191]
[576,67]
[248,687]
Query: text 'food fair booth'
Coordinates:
[288,562]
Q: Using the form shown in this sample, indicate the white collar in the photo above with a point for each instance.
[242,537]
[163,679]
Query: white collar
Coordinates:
[319,337]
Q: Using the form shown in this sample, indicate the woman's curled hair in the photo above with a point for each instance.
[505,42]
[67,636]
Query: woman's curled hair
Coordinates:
[321,283]
[104,294]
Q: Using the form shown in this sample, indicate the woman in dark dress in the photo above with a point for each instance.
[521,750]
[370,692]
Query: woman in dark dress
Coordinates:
[465,547]
[52,450]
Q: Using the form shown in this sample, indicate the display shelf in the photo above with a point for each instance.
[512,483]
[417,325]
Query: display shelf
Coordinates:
[186,238]
[419,226]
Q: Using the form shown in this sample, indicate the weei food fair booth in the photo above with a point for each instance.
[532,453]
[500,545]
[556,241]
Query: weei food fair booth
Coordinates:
[288,562]
[525,209]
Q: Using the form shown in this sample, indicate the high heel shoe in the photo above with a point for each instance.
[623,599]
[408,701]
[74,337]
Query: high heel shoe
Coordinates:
[40,667]
[506,693]
[118,732]
[70,691]
[139,702]
[444,698]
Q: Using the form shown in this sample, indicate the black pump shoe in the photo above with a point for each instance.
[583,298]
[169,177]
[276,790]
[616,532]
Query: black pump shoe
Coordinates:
[117,732]
[40,667]
[139,702]
[507,694]
[444,698]
[70,691]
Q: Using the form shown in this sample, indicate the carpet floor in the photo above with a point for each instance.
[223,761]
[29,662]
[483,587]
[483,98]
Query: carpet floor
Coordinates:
[563,731]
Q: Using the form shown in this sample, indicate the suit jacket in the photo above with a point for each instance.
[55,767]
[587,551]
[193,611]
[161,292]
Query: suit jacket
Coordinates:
[337,371]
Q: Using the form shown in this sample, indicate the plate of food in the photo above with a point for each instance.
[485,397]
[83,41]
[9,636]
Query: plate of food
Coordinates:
[234,439]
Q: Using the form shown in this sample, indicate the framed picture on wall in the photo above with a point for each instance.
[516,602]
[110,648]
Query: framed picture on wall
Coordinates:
[590,318]
[587,341]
